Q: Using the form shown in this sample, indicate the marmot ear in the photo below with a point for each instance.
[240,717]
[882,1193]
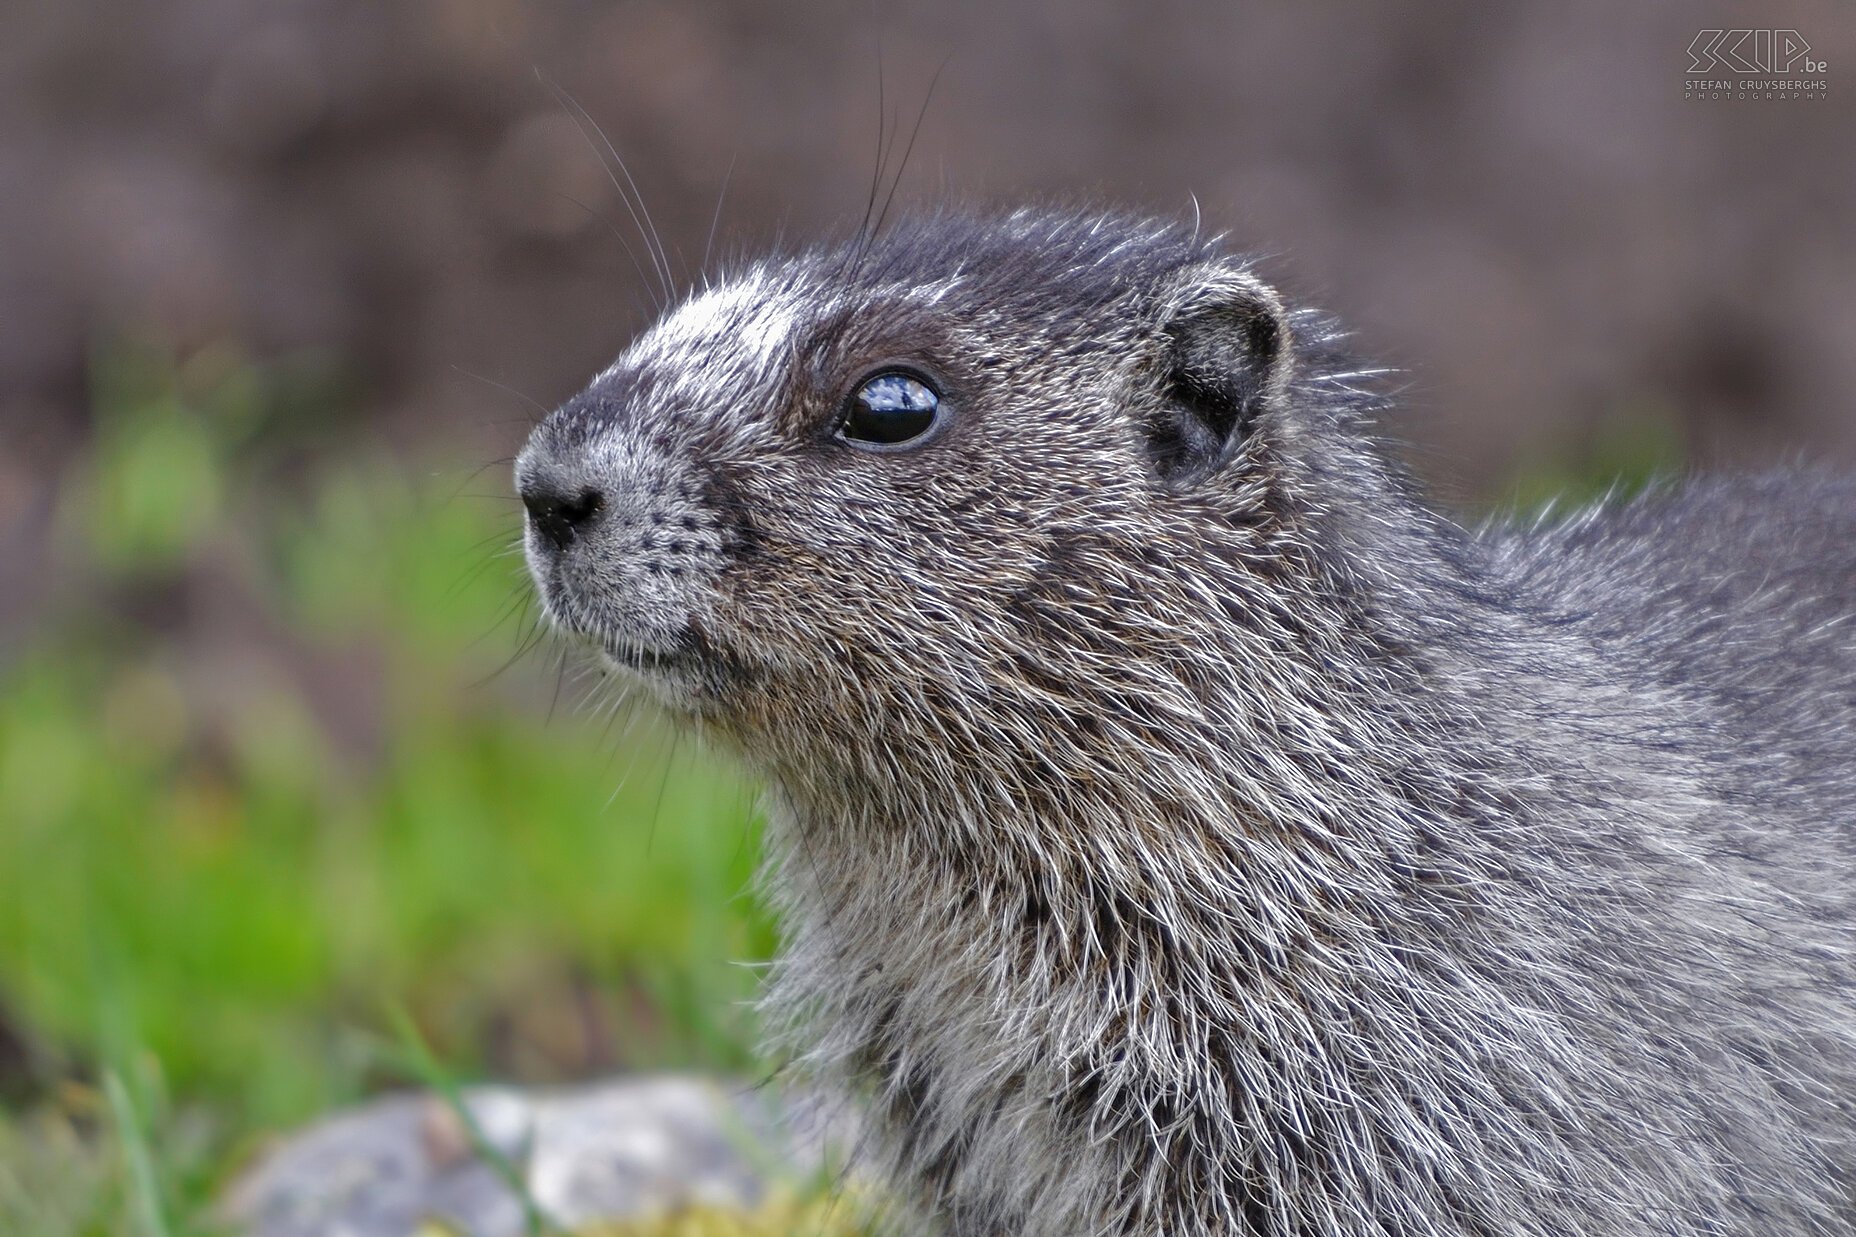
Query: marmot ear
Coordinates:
[1226,358]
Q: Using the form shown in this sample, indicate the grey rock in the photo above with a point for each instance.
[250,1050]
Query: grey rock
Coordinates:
[611,1150]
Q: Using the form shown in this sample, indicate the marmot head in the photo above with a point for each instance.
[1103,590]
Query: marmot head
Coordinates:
[848,498]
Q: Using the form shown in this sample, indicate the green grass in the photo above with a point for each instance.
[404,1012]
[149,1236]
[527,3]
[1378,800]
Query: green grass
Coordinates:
[261,784]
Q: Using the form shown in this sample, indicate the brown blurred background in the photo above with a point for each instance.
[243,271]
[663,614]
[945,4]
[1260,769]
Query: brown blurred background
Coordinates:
[1513,203]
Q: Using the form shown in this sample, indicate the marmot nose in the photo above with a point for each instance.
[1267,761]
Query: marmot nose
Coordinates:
[560,517]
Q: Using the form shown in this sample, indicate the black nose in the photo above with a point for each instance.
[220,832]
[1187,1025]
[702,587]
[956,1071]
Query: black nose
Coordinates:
[561,517]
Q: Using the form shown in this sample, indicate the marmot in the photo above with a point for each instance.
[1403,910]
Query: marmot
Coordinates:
[1180,826]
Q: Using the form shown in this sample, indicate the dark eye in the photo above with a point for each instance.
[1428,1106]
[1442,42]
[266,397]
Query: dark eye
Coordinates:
[889,409]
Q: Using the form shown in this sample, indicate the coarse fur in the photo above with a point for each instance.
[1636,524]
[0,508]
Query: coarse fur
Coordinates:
[1182,828]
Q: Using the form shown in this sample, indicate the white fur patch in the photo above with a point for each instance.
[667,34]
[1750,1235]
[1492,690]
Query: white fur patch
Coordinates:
[746,324]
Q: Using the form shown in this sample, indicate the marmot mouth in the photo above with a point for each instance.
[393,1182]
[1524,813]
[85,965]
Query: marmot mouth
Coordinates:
[684,656]
[680,655]
[672,660]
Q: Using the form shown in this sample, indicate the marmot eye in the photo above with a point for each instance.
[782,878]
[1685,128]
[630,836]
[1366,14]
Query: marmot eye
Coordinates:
[889,409]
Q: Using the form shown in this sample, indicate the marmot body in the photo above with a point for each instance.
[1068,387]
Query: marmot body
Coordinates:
[1180,827]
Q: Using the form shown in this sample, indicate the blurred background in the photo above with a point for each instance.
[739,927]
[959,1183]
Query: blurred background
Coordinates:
[287,774]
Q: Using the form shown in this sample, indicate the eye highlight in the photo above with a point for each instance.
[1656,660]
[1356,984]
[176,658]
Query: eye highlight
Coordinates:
[889,409]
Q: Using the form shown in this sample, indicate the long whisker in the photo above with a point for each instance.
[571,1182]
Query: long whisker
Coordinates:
[560,676]
[612,227]
[485,561]
[708,246]
[535,631]
[633,200]
[506,389]
[910,148]
[882,108]
[476,472]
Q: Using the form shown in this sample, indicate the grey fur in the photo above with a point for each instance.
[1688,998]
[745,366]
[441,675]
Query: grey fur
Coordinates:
[1182,828]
